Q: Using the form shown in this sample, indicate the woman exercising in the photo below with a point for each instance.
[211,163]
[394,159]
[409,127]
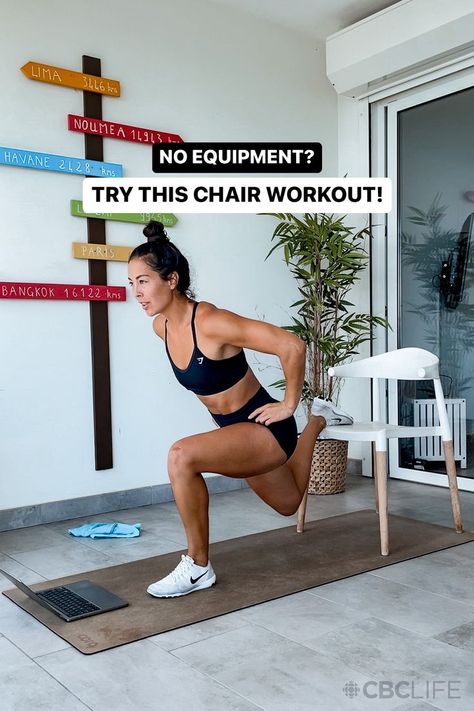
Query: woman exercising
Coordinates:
[257,438]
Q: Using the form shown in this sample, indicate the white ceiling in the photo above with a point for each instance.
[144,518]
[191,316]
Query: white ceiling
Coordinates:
[317,18]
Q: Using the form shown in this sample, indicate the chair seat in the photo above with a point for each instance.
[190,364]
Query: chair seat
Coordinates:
[377,432]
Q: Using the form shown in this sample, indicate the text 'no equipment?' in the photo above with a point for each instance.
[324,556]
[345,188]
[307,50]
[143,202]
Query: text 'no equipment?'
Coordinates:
[237,158]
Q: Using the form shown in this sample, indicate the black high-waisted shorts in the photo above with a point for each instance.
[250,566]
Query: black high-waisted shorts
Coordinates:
[285,431]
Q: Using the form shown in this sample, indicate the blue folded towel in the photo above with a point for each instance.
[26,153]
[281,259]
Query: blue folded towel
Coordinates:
[107,530]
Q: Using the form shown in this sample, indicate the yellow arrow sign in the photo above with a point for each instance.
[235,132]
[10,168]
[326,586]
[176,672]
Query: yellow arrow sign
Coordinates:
[86,250]
[73,80]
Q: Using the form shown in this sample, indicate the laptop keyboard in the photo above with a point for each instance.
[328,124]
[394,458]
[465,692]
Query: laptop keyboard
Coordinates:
[67,601]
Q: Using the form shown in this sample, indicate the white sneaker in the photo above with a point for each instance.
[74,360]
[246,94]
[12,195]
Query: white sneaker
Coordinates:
[332,415]
[184,579]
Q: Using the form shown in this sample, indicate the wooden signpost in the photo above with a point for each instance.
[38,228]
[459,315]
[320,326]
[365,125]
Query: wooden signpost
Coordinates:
[68,292]
[70,79]
[121,131]
[168,219]
[19,158]
[86,250]
[94,150]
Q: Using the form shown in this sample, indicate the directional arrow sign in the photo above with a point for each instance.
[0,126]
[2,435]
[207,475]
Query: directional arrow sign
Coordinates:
[73,80]
[69,292]
[121,131]
[18,158]
[87,250]
[168,219]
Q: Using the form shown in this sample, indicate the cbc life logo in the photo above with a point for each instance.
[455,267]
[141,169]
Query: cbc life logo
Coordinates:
[387,689]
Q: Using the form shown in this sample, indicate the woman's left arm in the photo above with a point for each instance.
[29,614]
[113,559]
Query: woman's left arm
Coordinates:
[230,328]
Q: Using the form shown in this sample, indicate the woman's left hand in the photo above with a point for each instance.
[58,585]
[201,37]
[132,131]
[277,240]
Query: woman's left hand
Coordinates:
[271,412]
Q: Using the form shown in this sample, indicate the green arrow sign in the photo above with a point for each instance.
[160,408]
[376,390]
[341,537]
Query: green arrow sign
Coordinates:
[168,219]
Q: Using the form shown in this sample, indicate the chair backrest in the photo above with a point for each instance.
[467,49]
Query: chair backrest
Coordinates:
[401,364]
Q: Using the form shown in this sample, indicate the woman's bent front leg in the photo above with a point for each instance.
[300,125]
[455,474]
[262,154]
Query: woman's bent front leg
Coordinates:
[192,499]
[237,451]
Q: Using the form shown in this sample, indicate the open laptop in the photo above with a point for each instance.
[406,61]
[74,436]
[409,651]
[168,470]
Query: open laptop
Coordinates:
[73,601]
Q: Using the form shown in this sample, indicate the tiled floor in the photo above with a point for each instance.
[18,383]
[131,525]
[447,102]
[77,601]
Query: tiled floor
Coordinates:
[399,638]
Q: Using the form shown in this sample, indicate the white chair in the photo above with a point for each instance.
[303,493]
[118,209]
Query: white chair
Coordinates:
[401,364]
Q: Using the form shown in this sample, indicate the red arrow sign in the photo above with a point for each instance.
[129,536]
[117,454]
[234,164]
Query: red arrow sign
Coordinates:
[70,292]
[121,131]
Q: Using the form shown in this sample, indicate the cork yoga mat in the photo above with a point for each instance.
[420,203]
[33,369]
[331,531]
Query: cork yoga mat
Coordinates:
[250,570]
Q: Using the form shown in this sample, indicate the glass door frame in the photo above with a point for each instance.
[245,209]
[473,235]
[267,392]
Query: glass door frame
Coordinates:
[385,271]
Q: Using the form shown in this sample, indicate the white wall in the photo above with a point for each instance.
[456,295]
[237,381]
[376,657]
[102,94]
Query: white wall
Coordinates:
[353,155]
[186,66]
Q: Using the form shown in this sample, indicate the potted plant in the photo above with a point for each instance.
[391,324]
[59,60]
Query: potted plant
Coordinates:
[327,258]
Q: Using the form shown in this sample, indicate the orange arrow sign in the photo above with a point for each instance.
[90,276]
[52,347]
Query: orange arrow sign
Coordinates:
[73,80]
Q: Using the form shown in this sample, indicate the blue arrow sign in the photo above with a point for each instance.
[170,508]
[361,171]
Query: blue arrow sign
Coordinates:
[18,158]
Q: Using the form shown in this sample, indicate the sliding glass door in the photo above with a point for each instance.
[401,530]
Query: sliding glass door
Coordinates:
[428,151]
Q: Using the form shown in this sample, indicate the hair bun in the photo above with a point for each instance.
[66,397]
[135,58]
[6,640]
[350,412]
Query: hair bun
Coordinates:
[155,231]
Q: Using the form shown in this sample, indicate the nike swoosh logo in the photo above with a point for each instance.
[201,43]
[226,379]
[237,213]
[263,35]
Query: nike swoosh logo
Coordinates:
[194,580]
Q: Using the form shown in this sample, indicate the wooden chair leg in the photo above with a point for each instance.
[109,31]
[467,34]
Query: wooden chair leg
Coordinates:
[302,513]
[453,484]
[381,476]
[376,493]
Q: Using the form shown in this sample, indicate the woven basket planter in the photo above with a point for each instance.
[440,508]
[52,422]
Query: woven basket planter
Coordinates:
[328,467]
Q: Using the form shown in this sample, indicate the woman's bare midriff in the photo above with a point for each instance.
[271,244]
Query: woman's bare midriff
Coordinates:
[234,398]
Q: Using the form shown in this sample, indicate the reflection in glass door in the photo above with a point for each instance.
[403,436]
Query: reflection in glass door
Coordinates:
[436,269]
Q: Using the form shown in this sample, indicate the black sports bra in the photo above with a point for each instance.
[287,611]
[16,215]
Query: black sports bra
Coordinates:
[205,376]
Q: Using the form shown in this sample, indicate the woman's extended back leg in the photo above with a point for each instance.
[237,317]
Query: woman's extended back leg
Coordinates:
[273,487]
